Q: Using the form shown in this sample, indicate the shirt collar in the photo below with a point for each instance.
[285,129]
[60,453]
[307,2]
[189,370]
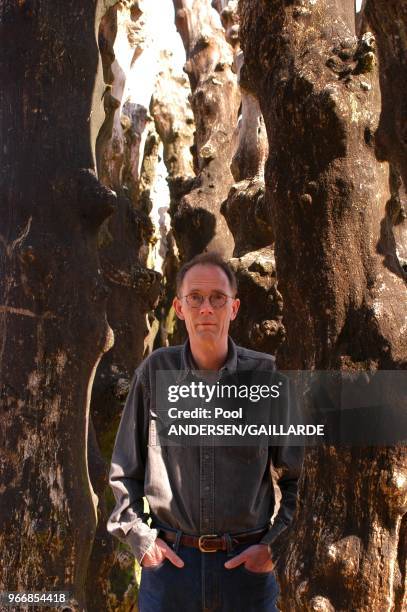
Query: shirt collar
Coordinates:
[188,364]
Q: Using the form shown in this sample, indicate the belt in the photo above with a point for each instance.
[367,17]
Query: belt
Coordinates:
[212,543]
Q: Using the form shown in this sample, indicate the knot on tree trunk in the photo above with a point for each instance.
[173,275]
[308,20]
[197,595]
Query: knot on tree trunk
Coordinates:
[342,557]
[95,202]
[247,217]
[394,487]
[320,604]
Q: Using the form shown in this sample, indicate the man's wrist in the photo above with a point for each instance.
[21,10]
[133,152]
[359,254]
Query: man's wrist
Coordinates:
[140,544]
[276,528]
[146,552]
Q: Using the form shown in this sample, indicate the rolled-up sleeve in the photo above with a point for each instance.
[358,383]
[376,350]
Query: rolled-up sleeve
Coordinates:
[128,521]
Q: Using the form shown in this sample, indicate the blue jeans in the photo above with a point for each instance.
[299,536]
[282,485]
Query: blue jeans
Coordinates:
[205,585]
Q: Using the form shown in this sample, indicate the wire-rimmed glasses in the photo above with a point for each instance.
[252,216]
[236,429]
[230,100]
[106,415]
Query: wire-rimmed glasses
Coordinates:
[216,299]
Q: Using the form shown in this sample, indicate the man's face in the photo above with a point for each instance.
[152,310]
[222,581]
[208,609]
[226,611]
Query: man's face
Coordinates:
[206,324]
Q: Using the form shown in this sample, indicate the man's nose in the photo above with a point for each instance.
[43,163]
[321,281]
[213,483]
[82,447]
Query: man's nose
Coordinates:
[206,305]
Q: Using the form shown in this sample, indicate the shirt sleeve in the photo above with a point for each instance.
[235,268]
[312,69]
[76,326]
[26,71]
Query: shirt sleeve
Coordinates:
[287,462]
[128,521]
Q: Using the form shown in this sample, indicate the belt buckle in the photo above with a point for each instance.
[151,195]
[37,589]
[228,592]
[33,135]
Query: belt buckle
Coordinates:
[201,545]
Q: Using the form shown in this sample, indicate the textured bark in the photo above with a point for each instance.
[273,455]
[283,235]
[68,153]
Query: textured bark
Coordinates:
[342,285]
[134,290]
[174,122]
[129,54]
[230,21]
[53,326]
[198,223]
[245,207]
[259,324]
[174,118]
[361,21]
[102,557]
[389,22]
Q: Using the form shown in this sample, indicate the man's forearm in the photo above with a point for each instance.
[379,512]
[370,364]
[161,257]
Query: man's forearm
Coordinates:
[288,462]
[128,521]
[137,535]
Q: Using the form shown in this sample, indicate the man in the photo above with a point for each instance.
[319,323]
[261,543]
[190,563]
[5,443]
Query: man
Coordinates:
[207,546]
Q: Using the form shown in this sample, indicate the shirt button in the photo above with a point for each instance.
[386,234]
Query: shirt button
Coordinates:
[207,488]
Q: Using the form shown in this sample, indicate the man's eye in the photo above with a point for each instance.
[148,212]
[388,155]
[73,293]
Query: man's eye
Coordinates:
[218,299]
[195,297]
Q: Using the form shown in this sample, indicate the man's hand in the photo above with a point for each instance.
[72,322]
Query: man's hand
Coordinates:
[256,558]
[158,551]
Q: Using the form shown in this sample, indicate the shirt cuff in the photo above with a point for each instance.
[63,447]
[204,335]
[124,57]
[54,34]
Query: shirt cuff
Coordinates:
[274,531]
[140,543]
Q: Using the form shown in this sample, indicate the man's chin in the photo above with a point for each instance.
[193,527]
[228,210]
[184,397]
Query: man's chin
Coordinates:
[207,330]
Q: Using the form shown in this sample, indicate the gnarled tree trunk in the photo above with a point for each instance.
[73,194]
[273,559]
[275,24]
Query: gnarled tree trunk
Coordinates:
[342,284]
[129,52]
[174,122]
[389,22]
[197,221]
[258,325]
[53,325]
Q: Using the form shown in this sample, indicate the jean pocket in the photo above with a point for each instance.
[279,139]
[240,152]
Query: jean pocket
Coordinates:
[258,574]
[154,568]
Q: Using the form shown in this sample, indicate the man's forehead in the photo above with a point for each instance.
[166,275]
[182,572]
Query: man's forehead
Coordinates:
[205,276]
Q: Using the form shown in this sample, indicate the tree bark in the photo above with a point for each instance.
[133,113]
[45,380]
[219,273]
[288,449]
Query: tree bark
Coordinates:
[343,289]
[389,21]
[129,53]
[197,222]
[53,298]
[174,122]
[259,324]
[174,119]
[245,206]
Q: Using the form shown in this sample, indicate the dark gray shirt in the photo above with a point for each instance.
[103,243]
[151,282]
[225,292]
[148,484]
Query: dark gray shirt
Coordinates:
[199,490]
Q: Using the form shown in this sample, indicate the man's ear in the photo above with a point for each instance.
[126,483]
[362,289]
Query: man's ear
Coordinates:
[176,302]
[235,309]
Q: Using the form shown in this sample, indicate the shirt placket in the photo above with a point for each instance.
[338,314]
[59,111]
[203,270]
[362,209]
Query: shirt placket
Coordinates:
[207,486]
[207,489]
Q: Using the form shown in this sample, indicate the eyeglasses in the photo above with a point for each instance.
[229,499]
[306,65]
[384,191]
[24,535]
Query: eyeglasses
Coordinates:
[216,300]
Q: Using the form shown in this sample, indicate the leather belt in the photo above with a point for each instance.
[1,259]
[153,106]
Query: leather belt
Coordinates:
[213,542]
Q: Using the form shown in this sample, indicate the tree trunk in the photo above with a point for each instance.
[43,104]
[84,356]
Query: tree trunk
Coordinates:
[258,325]
[198,223]
[343,289]
[389,22]
[53,299]
[244,208]
[129,53]
[173,118]
[174,122]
